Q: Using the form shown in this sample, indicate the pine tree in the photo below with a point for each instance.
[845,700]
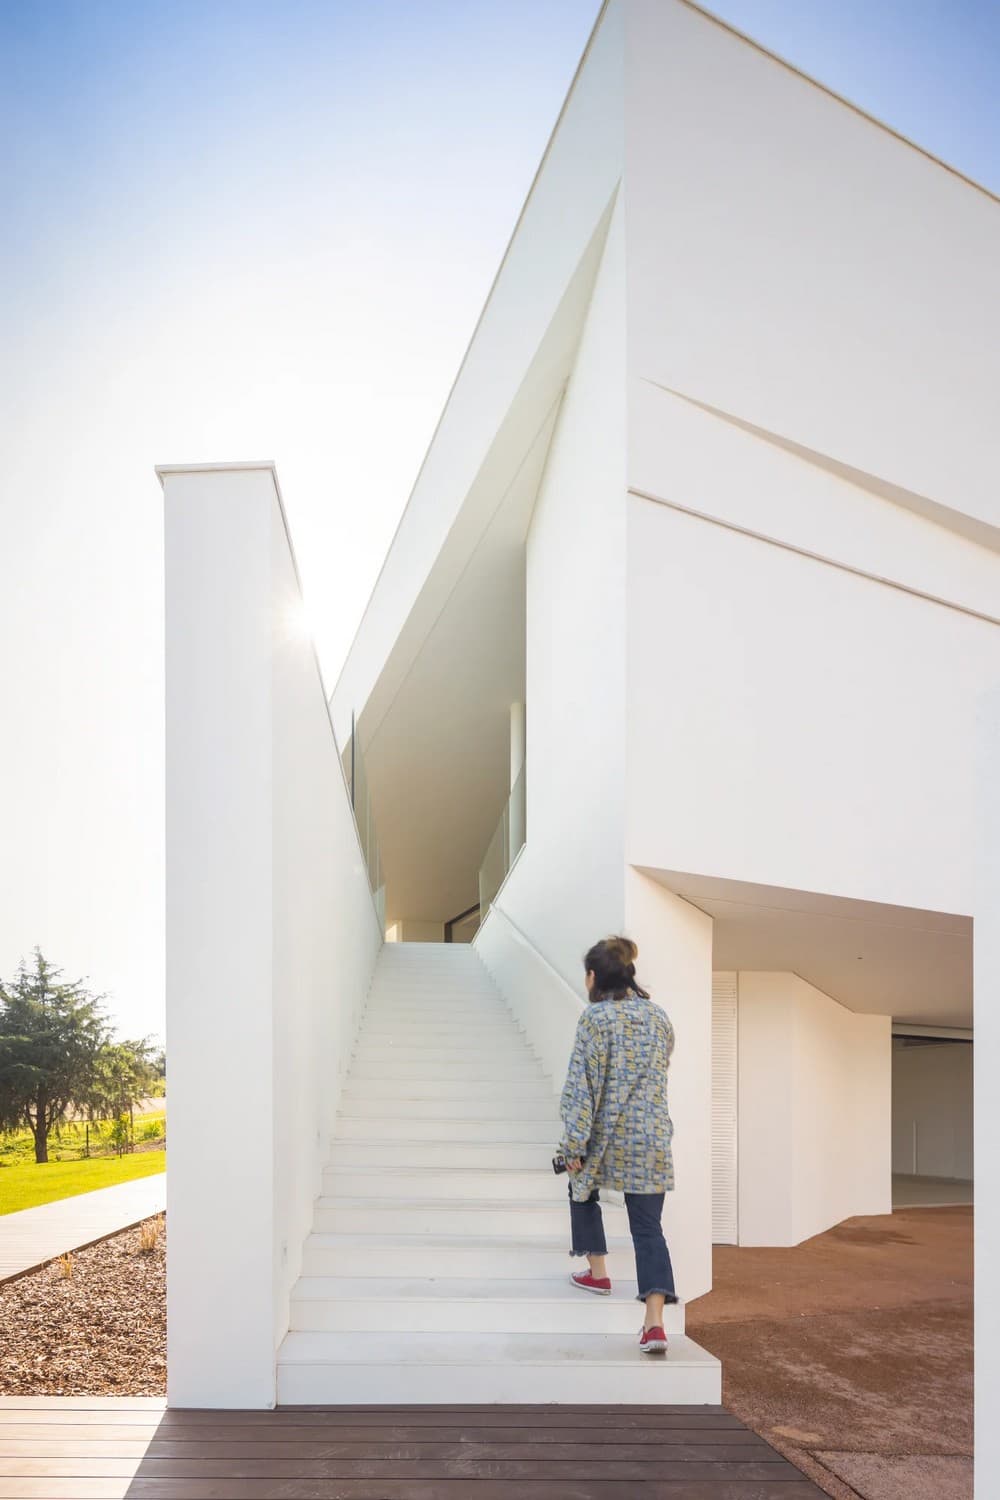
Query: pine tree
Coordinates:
[51,1034]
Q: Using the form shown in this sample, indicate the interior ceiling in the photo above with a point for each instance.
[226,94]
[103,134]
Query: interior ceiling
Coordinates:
[438,762]
[913,965]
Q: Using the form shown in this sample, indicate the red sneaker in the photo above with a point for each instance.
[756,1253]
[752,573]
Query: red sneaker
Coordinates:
[652,1341]
[587,1283]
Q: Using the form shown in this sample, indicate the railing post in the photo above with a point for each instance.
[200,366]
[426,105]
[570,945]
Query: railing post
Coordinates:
[353,756]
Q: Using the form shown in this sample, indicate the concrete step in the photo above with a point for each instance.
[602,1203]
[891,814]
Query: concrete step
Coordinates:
[444,1216]
[443,1037]
[413,1084]
[442,1305]
[519,1156]
[421,1183]
[505,1108]
[461,1256]
[386,1367]
[519,1077]
[505,1059]
[408,992]
[461,1027]
[418,1010]
[503,1045]
[449,1129]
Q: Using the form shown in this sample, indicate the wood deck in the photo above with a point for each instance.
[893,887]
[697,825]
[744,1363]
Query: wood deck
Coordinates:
[54,1448]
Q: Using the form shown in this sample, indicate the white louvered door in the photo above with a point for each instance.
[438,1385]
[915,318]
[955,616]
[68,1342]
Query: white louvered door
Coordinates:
[725,1033]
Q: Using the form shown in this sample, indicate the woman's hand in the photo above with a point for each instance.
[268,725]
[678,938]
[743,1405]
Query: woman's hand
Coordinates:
[574,1164]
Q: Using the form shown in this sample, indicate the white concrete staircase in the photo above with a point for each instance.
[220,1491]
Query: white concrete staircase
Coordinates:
[437,1270]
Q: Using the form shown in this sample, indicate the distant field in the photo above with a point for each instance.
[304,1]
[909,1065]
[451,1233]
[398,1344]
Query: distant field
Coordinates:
[70,1143]
[26,1184]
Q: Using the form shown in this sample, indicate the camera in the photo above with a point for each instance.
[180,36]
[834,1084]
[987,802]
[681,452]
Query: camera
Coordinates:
[559,1164]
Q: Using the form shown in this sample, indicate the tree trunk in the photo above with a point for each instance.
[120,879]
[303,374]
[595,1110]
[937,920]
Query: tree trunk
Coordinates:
[40,1131]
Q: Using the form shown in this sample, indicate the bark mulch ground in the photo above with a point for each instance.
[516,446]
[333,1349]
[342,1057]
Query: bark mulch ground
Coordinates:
[852,1353]
[99,1330]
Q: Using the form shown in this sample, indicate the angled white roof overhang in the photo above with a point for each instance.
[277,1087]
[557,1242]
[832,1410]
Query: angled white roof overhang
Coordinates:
[439,655]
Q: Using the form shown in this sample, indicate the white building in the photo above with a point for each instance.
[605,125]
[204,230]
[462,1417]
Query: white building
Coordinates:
[701,572]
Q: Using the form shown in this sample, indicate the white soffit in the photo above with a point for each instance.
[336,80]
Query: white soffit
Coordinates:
[876,959]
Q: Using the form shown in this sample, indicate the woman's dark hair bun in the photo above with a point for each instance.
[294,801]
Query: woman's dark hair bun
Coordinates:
[612,963]
[623,949]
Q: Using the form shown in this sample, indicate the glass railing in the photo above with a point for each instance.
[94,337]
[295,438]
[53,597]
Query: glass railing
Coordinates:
[364,817]
[504,847]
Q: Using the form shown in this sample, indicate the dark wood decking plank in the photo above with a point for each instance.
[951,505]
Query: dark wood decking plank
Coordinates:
[258,1439]
[215,1456]
[463,1489]
[483,1417]
[562,1437]
[398,1453]
[479,1469]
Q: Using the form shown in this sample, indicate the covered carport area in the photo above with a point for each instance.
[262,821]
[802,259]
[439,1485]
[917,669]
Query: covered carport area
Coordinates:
[817,1073]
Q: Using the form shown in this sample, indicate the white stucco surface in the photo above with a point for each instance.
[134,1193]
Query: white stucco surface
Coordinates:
[271,930]
[788,719]
[814,1111]
[675,966]
[567,889]
[798,266]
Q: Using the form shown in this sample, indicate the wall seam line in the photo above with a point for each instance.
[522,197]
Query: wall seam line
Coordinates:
[829,562]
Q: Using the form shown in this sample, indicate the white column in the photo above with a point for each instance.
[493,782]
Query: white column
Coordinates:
[675,965]
[815,1110]
[517,754]
[987,1099]
[220,1201]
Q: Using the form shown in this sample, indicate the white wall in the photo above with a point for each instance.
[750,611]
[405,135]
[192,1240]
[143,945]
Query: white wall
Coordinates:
[540,999]
[271,931]
[813,347]
[567,889]
[814,1111]
[932,1109]
[794,264]
[419,932]
[794,724]
[675,965]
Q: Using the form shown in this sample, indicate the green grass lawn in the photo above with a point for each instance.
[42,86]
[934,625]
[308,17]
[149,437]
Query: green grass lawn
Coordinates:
[73,1141]
[27,1184]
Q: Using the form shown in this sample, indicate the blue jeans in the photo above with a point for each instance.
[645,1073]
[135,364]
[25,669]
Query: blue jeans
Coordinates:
[653,1270]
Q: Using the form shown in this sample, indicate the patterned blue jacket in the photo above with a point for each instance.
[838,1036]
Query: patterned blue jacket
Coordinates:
[614,1105]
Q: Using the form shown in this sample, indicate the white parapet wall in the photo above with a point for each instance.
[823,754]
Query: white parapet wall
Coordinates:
[542,1003]
[815,1085]
[272,933]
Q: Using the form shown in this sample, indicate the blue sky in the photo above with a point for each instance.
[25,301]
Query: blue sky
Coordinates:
[238,230]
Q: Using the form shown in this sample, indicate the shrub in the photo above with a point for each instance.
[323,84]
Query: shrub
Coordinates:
[149,1236]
